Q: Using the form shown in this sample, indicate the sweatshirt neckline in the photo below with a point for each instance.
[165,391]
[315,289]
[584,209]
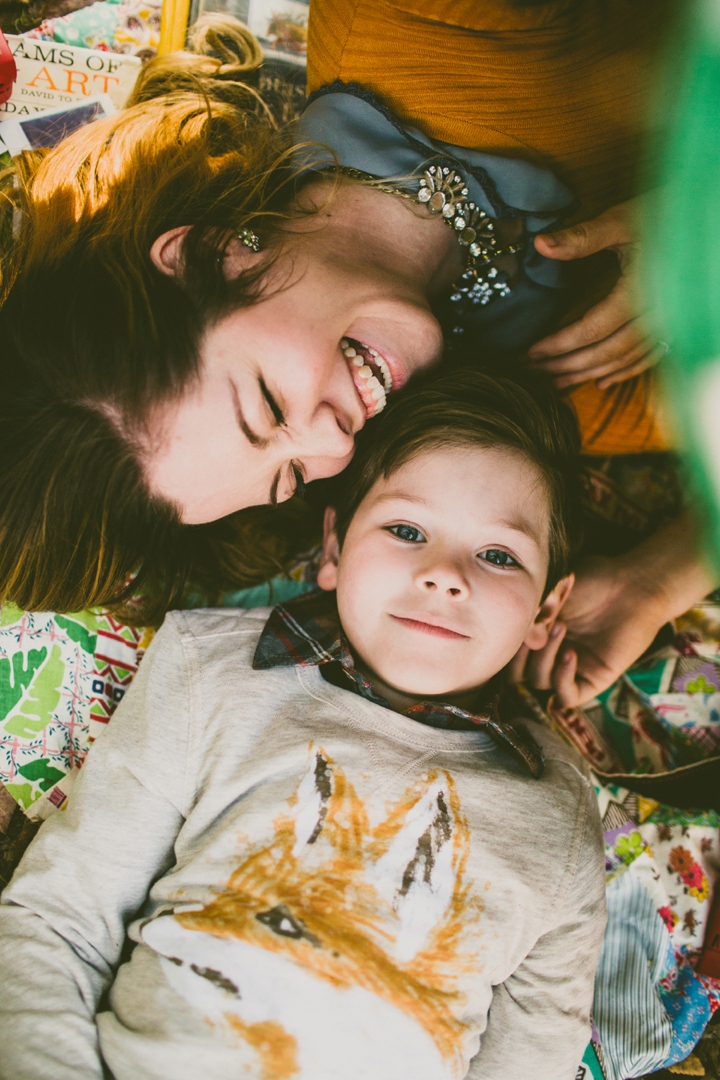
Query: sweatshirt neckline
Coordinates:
[389,724]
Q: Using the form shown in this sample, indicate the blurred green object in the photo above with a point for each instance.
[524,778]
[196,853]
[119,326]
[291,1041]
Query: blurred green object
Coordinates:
[681,262]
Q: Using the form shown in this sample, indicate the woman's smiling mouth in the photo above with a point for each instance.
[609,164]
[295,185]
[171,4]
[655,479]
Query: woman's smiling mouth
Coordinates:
[370,373]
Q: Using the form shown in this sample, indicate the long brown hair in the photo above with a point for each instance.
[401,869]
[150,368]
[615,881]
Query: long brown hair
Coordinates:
[92,335]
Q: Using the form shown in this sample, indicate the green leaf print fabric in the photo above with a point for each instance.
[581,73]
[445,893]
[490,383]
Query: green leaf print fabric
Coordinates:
[61,677]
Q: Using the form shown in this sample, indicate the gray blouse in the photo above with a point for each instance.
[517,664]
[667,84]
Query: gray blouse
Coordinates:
[362,134]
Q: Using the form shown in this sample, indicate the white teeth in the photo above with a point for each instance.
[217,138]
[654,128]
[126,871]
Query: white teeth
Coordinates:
[385,372]
[373,390]
[351,353]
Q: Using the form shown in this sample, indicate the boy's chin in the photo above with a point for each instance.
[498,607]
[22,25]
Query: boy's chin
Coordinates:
[423,686]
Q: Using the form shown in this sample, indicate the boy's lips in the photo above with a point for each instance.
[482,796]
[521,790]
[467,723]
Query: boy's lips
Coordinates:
[372,373]
[427,626]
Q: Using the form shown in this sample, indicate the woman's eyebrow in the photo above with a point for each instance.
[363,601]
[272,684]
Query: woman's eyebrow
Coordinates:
[254,440]
[272,499]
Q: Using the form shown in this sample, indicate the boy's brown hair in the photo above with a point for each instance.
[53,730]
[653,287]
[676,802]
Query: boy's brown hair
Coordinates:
[520,410]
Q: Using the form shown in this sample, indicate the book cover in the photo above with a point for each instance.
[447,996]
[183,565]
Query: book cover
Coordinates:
[51,75]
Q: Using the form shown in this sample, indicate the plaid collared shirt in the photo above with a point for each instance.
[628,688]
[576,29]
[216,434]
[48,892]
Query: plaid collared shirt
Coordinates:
[307,632]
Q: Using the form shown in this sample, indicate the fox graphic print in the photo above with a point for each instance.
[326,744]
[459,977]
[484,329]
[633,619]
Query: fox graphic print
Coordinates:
[373,918]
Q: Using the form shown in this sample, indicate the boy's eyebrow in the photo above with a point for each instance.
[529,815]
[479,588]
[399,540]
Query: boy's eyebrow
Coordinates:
[401,495]
[517,524]
[521,525]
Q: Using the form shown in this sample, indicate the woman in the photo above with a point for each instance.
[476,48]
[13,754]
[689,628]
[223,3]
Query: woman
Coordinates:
[197,319]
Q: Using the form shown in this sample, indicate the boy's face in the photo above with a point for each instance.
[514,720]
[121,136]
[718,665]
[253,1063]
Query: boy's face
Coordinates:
[441,575]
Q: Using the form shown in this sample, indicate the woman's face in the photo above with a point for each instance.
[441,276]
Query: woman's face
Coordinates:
[279,392]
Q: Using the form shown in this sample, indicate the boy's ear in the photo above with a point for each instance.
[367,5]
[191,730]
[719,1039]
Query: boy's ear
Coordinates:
[539,632]
[327,575]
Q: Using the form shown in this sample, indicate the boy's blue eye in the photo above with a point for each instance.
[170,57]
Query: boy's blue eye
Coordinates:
[409,533]
[498,558]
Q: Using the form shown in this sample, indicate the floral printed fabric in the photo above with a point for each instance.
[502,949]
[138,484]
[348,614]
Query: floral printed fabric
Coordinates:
[61,678]
[663,714]
[131,27]
[670,861]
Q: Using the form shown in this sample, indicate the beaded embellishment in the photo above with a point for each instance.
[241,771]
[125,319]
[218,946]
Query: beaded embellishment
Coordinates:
[249,238]
[444,193]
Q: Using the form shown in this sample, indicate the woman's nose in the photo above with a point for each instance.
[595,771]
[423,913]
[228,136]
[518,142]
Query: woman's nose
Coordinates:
[328,439]
[443,580]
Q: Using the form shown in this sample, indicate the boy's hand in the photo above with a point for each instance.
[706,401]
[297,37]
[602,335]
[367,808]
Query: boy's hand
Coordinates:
[608,343]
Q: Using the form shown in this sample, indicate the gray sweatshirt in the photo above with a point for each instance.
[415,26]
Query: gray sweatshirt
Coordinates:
[317,888]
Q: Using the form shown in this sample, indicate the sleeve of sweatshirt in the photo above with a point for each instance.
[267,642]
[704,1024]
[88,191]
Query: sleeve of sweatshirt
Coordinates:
[88,871]
[539,1022]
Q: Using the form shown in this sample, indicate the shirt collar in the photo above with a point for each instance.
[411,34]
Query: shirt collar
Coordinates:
[306,632]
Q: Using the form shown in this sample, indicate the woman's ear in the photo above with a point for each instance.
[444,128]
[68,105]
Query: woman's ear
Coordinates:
[327,575]
[166,252]
[539,632]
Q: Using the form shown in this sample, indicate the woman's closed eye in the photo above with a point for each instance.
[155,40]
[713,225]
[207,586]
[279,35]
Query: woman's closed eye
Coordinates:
[278,414]
[408,533]
[299,478]
[498,557]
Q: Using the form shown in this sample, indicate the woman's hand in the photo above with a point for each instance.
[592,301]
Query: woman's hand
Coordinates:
[608,343]
[614,612]
[607,623]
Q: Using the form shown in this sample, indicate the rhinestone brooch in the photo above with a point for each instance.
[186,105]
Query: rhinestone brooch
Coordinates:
[479,287]
[249,239]
[444,192]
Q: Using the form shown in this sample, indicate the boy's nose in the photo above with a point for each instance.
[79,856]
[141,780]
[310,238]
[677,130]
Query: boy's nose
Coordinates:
[444,580]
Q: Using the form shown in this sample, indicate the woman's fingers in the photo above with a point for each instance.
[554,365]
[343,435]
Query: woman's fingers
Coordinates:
[602,320]
[610,229]
[535,666]
[554,667]
[650,359]
[607,343]
[516,668]
[540,663]
[625,347]
[564,679]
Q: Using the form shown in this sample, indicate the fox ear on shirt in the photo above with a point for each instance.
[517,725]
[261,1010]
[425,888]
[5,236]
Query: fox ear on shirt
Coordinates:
[539,633]
[327,574]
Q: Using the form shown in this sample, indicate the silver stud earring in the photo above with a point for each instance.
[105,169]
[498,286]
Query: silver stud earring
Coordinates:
[249,239]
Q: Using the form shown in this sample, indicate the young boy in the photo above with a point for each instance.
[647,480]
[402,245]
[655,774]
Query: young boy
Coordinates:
[311,844]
